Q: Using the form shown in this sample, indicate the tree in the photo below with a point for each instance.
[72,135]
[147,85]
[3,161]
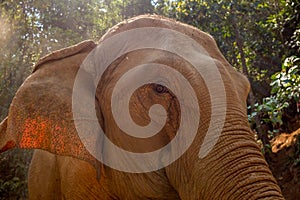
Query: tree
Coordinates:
[240,31]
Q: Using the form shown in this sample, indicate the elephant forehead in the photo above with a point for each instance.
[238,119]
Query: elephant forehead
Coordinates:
[139,63]
[204,39]
[239,82]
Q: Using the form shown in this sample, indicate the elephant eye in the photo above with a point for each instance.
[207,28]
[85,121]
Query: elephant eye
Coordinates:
[160,89]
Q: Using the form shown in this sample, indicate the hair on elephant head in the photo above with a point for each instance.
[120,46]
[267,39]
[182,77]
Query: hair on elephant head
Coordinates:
[154,108]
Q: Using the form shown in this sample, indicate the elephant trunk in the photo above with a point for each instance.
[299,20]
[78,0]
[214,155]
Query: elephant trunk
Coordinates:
[241,172]
[235,169]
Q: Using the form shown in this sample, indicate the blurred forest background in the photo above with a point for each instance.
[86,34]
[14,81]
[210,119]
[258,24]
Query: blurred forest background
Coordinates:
[260,38]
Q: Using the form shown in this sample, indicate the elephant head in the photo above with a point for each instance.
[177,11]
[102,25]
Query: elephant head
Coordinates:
[156,104]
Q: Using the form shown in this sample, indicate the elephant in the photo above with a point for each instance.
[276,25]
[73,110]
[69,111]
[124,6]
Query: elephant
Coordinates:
[220,160]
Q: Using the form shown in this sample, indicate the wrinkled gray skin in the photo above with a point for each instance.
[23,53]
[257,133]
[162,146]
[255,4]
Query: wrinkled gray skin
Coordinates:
[234,169]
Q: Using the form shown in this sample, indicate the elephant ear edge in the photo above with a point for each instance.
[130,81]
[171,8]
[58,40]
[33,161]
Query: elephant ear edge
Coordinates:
[5,143]
[81,47]
[10,141]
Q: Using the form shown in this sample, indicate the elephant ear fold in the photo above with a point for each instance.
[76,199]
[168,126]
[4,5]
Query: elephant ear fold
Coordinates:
[85,46]
[40,115]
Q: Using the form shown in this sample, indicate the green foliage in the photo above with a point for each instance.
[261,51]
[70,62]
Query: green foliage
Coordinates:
[285,90]
[241,31]
[13,177]
[285,23]
[286,84]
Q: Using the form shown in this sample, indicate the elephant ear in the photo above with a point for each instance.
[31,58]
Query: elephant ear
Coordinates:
[40,115]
